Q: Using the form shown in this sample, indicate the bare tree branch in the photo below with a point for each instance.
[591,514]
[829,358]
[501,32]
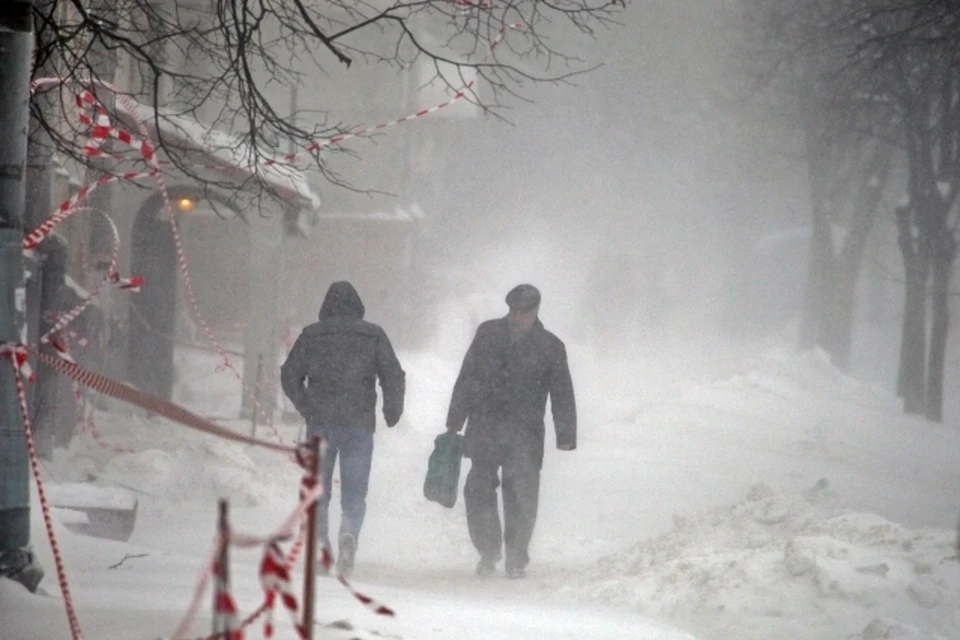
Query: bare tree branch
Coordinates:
[223,62]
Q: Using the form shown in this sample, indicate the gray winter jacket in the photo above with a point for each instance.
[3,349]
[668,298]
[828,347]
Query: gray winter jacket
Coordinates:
[332,369]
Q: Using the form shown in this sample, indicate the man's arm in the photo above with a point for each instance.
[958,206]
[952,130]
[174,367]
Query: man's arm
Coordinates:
[293,374]
[392,380]
[463,389]
[562,403]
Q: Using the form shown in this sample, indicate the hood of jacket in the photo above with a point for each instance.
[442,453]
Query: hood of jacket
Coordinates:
[342,301]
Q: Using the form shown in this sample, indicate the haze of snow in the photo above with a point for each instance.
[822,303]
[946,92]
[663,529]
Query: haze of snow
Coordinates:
[777,499]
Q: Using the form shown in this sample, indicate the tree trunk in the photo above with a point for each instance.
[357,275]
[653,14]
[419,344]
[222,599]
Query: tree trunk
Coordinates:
[911,379]
[821,288]
[940,295]
[822,253]
[836,326]
[872,169]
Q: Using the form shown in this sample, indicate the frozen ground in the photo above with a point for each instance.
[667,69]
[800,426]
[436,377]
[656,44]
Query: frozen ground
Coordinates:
[767,498]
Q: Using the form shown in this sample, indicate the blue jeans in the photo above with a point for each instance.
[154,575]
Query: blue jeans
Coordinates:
[354,447]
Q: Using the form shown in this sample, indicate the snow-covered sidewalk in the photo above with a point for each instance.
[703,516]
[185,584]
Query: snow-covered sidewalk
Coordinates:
[787,502]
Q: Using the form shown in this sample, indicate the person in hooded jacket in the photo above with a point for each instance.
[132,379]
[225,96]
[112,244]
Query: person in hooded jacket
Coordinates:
[511,367]
[330,376]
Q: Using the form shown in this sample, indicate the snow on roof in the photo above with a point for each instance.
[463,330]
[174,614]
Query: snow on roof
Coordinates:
[235,156]
[399,214]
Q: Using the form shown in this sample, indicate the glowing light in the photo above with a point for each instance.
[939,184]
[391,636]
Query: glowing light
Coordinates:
[186,205]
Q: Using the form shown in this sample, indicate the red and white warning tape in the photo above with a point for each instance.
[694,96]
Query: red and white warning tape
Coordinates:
[112,277]
[274,573]
[150,158]
[458,96]
[93,114]
[225,611]
[102,129]
[377,607]
[276,583]
[68,207]
[271,577]
[85,420]
[191,613]
[18,356]
[159,406]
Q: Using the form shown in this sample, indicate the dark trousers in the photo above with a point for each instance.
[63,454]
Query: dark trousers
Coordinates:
[354,447]
[521,495]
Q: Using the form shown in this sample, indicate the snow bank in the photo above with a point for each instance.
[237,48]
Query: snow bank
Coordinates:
[171,463]
[775,565]
[783,562]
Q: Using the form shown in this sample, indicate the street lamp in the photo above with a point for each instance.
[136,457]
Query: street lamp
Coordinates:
[186,204]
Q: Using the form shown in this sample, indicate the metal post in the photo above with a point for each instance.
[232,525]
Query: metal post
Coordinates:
[310,568]
[222,576]
[16,26]
[44,287]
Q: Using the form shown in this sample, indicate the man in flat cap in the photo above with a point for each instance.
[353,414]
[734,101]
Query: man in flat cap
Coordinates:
[501,395]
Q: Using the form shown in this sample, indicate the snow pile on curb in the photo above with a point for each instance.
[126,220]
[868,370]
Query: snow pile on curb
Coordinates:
[790,567]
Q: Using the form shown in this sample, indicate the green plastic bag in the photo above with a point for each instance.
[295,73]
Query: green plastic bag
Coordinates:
[443,470]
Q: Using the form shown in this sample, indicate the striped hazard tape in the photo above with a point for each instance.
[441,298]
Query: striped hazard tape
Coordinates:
[159,406]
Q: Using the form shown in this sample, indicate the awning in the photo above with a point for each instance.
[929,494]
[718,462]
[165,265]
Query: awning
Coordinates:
[231,160]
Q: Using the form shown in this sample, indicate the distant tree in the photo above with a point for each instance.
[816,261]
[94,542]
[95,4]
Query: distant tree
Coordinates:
[910,57]
[895,79]
[795,62]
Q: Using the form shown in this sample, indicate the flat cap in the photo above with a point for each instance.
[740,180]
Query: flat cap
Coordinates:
[523,297]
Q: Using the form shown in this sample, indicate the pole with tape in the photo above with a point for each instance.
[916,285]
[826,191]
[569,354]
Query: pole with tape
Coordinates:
[16,41]
[310,563]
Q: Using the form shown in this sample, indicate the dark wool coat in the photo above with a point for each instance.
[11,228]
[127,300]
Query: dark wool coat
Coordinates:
[501,394]
[332,369]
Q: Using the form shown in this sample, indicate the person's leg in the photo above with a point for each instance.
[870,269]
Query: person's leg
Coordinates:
[483,517]
[521,496]
[356,455]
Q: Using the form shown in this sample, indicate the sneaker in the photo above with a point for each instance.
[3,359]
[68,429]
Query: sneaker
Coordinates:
[516,573]
[486,567]
[346,553]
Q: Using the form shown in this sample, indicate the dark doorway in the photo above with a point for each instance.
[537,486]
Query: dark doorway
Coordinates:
[152,315]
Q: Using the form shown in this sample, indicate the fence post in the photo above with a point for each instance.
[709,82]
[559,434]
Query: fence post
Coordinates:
[221,623]
[16,42]
[310,568]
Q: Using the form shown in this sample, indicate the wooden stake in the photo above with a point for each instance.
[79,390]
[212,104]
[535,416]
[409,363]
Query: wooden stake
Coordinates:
[222,577]
[310,570]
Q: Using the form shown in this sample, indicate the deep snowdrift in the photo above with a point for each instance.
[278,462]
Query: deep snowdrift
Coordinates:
[789,567]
